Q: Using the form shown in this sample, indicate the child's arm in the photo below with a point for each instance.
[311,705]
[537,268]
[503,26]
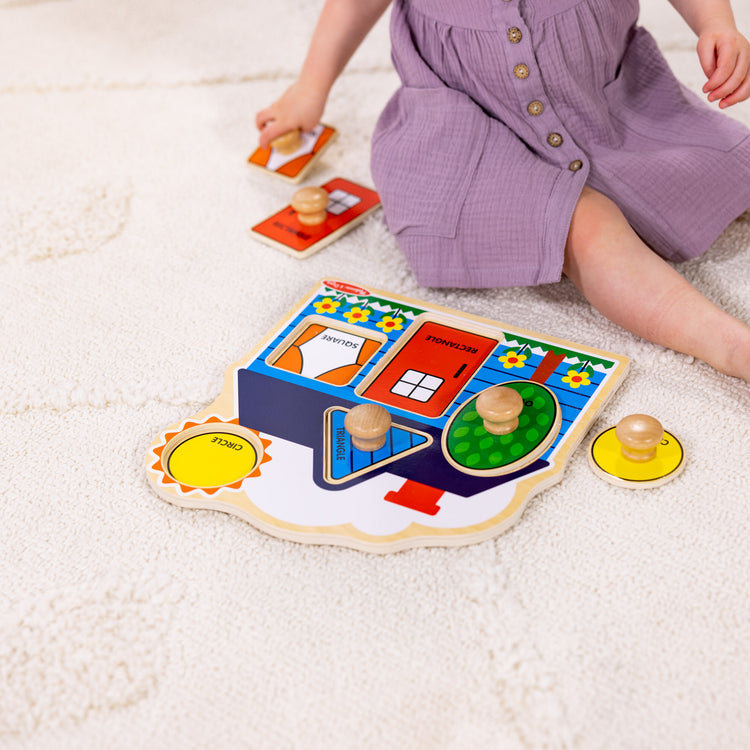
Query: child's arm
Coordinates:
[723,52]
[342,26]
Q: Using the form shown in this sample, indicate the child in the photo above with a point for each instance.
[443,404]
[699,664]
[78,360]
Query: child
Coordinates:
[532,138]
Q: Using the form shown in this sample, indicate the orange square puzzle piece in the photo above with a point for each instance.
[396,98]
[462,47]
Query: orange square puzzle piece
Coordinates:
[295,165]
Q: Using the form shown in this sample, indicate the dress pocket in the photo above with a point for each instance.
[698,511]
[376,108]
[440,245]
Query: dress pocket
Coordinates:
[425,153]
[648,101]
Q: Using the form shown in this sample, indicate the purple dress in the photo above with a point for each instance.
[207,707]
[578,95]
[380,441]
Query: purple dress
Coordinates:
[506,109]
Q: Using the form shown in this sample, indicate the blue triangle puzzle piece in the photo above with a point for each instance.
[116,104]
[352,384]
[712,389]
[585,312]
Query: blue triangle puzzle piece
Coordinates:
[347,461]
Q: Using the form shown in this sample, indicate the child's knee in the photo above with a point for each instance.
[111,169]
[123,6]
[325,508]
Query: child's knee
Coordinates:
[594,219]
[595,211]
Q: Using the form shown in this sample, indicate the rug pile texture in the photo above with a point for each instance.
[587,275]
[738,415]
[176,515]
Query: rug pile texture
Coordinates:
[604,619]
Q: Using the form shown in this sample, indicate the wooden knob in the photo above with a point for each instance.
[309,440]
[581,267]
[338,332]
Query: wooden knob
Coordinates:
[499,407]
[287,143]
[368,424]
[639,436]
[310,204]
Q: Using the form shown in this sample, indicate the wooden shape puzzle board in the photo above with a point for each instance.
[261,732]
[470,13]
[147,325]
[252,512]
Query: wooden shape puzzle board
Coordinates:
[272,448]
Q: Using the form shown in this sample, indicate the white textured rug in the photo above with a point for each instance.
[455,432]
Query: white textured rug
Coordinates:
[128,283]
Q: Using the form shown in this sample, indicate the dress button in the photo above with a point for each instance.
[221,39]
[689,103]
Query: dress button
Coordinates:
[535,108]
[574,166]
[514,34]
[521,71]
[554,140]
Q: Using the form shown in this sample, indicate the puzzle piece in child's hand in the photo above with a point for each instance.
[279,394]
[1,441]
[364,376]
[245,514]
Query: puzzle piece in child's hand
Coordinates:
[317,217]
[292,154]
[636,453]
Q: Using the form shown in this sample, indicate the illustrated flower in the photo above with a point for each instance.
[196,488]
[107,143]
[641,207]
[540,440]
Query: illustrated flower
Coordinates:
[576,379]
[391,324]
[512,359]
[357,315]
[326,305]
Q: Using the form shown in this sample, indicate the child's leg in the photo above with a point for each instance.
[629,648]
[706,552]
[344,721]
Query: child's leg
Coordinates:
[635,288]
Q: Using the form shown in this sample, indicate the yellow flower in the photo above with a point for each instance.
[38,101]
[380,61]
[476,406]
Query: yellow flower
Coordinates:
[326,305]
[576,379]
[512,359]
[391,324]
[357,315]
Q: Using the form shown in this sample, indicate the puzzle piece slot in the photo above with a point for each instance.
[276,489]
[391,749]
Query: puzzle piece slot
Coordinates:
[324,351]
[209,456]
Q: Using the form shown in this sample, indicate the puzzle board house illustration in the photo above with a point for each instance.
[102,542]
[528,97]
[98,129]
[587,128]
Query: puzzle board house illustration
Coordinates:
[274,448]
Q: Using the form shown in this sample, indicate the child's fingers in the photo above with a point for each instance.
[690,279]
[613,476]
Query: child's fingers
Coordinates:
[741,93]
[707,56]
[264,116]
[726,88]
[726,63]
[735,80]
[271,124]
[271,130]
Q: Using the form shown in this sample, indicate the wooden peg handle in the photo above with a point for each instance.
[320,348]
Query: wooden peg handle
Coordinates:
[499,407]
[368,425]
[639,436]
[287,143]
[310,203]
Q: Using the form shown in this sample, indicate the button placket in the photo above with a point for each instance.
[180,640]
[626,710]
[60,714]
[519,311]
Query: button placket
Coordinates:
[549,131]
[518,37]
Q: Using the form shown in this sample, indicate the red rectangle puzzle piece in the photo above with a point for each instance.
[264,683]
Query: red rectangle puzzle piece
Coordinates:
[349,203]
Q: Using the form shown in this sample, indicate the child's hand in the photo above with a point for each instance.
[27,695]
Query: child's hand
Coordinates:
[300,107]
[725,58]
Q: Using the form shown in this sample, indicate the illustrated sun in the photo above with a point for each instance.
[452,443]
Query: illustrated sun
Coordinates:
[210,456]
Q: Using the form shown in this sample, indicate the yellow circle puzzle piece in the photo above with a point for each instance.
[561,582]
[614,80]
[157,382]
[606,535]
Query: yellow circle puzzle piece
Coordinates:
[608,461]
[212,459]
